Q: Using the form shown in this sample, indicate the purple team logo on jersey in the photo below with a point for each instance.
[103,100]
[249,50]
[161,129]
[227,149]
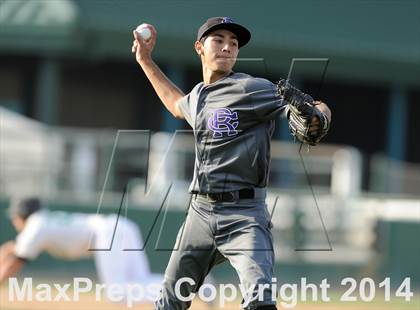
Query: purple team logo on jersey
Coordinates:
[223,120]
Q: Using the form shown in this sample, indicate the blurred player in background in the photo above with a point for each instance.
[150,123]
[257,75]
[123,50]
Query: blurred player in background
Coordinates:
[72,236]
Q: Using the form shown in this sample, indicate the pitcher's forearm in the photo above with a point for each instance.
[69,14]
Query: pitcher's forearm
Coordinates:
[165,89]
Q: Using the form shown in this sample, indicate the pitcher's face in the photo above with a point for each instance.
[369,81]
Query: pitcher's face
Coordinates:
[219,51]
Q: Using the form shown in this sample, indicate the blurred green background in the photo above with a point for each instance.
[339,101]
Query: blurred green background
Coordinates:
[69,84]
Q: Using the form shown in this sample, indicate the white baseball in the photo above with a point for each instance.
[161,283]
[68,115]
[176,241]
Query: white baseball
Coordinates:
[144,32]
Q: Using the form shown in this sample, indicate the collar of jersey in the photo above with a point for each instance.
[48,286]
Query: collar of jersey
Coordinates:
[220,80]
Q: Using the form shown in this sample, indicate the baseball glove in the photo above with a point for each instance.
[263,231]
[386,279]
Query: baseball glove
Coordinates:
[300,113]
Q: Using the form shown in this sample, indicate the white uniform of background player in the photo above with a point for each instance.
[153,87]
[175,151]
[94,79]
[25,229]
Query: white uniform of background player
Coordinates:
[70,236]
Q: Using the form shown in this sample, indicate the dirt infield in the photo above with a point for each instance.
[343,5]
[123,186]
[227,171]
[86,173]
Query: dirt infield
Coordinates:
[90,304]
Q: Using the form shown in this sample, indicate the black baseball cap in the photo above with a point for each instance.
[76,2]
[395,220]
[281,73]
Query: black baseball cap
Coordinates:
[227,23]
[24,207]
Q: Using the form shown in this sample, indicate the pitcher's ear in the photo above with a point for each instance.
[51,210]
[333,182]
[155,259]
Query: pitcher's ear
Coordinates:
[198,46]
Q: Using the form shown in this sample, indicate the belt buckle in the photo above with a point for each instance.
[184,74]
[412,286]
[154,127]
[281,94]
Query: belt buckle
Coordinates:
[230,197]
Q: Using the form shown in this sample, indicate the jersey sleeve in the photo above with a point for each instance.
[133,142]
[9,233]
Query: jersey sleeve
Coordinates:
[29,242]
[185,107]
[265,101]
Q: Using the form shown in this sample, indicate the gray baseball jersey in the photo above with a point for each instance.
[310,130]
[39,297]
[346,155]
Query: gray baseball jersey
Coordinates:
[233,121]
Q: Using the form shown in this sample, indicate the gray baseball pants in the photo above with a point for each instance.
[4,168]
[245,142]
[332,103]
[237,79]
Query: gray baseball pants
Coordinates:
[213,232]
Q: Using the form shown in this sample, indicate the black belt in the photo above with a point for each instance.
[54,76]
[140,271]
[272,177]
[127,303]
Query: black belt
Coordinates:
[246,193]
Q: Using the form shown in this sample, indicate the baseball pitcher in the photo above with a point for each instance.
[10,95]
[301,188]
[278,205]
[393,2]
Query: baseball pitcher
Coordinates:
[232,116]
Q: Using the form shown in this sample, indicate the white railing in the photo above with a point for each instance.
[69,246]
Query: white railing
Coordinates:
[394,176]
[319,212]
